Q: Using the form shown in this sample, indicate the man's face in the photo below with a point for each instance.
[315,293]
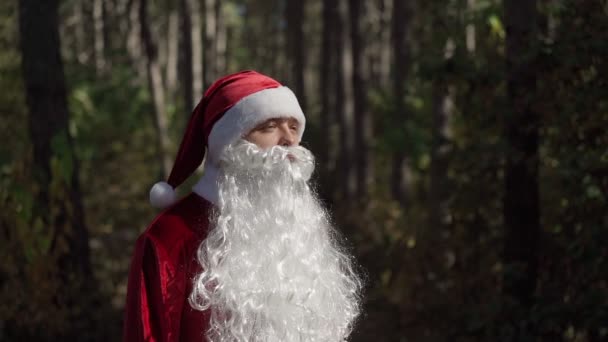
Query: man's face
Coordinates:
[275,131]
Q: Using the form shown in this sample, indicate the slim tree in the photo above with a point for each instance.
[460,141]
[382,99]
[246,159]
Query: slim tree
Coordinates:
[209,48]
[345,101]
[186,54]
[294,13]
[100,37]
[442,109]
[327,78]
[155,84]
[521,134]
[221,40]
[196,43]
[362,119]
[400,66]
[172,49]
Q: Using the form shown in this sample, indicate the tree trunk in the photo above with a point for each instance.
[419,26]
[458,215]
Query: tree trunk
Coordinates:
[46,98]
[134,43]
[186,55]
[221,40]
[172,46]
[155,84]
[294,13]
[345,105]
[363,123]
[442,105]
[470,39]
[82,30]
[209,48]
[280,66]
[401,60]
[197,50]
[384,60]
[326,151]
[440,148]
[100,40]
[521,132]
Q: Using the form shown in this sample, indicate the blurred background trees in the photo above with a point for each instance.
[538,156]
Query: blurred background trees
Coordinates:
[462,148]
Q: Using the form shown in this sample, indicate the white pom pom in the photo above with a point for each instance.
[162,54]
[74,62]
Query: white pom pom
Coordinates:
[162,195]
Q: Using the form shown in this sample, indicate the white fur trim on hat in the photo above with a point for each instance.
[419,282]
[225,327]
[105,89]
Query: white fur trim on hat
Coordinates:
[162,195]
[249,112]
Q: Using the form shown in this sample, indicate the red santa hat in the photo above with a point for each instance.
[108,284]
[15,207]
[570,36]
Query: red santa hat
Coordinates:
[229,109]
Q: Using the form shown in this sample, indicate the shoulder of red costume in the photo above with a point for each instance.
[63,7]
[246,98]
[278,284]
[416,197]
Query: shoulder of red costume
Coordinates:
[170,228]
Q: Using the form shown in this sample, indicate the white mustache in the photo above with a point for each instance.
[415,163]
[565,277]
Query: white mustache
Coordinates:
[249,158]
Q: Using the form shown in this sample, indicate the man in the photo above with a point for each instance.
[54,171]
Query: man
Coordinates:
[249,255]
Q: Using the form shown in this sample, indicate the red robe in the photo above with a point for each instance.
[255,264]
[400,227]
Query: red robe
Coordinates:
[161,275]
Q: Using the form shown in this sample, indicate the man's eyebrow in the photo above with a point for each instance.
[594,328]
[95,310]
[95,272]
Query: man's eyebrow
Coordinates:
[289,120]
[292,121]
[266,122]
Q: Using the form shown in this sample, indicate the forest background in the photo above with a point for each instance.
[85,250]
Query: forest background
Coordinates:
[461,145]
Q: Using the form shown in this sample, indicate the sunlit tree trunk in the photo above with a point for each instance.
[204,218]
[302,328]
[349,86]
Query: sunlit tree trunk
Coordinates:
[172,46]
[345,102]
[100,40]
[134,42]
[221,40]
[470,39]
[48,124]
[155,84]
[521,133]
[442,107]
[209,48]
[85,44]
[197,49]
[384,58]
[440,149]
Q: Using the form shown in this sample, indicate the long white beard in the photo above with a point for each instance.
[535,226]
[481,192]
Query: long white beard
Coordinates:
[273,269]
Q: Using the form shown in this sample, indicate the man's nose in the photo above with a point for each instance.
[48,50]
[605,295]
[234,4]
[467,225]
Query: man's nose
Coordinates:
[288,137]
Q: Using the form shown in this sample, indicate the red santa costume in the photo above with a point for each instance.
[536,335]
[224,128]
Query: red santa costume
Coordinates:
[249,255]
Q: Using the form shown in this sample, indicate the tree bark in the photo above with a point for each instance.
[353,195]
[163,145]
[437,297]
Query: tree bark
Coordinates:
[327,77]
[172,46]
[197,50]
[186,54]
[209,48]
[294,13]
[440,148]
[84,46]
[521,133]
[46,97]
[155,84]
[100,40]
[442,106]
[386,10]
[345,102]
[401,61]
[221,41]
[470,40]
[362,120]
[134,42]
[328,62]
